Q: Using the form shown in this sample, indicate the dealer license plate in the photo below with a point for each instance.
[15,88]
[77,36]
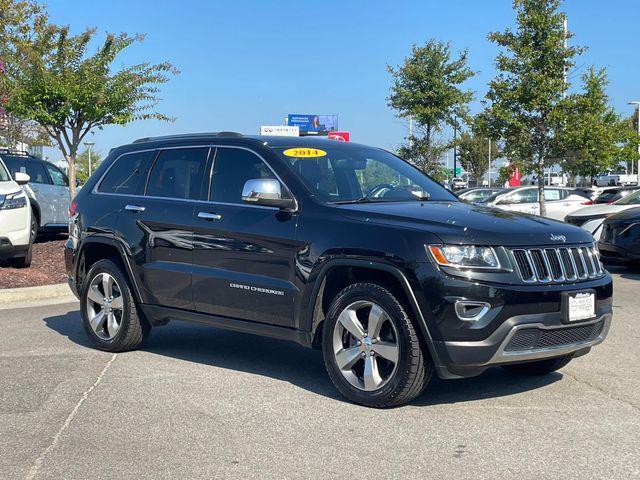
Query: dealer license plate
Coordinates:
[582,306]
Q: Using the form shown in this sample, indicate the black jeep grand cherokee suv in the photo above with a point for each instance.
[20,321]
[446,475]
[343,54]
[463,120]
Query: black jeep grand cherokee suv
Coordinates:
[332,245]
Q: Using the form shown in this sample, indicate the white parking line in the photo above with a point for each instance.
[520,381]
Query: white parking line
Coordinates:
[54,441]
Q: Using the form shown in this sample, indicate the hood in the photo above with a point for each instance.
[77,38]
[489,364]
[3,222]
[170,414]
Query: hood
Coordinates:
[8,187]
[463,223]
[630,214]
[599,210]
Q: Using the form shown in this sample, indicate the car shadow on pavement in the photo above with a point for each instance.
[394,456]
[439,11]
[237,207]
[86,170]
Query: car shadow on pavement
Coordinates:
[291,363]
[631,272]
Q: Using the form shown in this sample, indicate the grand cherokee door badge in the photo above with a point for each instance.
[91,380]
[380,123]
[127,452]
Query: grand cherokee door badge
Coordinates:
[257,289]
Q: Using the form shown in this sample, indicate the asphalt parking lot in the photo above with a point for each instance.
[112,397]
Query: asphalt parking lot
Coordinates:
[198,402]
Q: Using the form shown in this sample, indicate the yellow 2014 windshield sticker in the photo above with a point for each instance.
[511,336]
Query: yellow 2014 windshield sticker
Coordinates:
[304,152]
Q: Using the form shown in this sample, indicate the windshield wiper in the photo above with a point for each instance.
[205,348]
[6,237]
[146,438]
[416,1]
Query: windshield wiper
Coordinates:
[357,200]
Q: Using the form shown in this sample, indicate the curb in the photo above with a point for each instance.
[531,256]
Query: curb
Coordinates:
[46,294]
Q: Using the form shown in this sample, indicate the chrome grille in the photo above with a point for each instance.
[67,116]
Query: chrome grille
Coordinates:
[561,264]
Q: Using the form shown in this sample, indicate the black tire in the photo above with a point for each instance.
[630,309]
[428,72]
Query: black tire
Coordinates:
[25,262]
[414,368]
[541,367]
[133,329]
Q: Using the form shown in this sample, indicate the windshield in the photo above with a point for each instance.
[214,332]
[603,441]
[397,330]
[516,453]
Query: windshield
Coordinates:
[4,175]
[343,174]
[633,199]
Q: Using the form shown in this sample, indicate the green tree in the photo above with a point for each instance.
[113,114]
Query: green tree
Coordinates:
[82,164]
[56,82]
[427,90]
[628,152]
[526,96]
[18,19]
[473,149]
[591,130]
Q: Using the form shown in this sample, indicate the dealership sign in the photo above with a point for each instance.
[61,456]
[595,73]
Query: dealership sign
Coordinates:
[340,136]
[280,130]
[313,124]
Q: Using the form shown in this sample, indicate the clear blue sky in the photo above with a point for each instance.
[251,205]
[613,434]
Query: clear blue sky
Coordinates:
[247,63]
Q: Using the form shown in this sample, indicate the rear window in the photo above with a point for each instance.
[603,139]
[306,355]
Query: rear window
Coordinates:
[178,173]
[126,175]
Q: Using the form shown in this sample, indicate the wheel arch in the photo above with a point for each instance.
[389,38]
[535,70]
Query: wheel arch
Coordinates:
[350,271]
[35,208]
[95,248]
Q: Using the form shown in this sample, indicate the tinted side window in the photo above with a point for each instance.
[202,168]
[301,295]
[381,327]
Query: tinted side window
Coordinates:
[178,173]
[59,178]
[231,169]
[126,176]
[37,173]
[551,194]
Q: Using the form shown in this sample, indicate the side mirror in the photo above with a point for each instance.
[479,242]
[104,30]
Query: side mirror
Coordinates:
[21,178]
[267,192]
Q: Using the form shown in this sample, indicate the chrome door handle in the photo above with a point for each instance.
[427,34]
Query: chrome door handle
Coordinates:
[135,208]
[209,216]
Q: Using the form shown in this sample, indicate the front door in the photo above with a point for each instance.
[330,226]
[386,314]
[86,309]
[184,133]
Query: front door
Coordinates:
[59,193]
[244,255]
[44,192]
[523,200]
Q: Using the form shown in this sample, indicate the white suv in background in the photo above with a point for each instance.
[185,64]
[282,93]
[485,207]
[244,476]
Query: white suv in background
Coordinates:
[17,223]
[48,189]
[559,201]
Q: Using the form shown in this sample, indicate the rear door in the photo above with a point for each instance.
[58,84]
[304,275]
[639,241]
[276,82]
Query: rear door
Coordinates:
[244,255]
[158,225]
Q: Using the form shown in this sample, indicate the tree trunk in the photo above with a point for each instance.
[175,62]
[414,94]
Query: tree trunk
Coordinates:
[541,199]
[71,162]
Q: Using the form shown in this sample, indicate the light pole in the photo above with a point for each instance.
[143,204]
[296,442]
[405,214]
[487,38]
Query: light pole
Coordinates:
[89,145]
[637,104]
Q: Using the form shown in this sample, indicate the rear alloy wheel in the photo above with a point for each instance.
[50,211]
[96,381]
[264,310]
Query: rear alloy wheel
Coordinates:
[109,312]
[105,306]
[371,348]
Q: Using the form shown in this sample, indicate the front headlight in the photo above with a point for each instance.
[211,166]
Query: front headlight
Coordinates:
[14,200]
[464,256]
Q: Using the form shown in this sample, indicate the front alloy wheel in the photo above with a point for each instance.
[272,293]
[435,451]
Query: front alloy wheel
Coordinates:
[371,348]
[365,351]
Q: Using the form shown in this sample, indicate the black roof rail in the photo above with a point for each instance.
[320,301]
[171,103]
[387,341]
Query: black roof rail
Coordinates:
[188,135]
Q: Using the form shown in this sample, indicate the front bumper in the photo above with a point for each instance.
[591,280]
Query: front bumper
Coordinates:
[522,339]
[8,250]
[466,348]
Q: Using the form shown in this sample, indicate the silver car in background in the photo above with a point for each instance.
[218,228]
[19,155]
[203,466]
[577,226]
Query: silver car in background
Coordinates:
[48,189]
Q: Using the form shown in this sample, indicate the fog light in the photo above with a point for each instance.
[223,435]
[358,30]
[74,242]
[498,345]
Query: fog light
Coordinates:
[470,311]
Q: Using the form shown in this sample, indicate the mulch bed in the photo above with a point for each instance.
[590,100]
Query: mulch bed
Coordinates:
[47,266]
